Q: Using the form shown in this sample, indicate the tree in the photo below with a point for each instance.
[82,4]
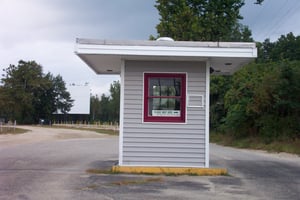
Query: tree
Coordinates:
[264,101]
[201,20]
[30,95]
[3,101]
[62,98]
[115,100]
[259,2]
[219,85]
[95,108]
[107,108]
[287,47]
[105,111]
[21,84]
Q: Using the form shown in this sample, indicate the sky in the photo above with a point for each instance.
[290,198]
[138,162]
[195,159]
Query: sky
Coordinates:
[46,30]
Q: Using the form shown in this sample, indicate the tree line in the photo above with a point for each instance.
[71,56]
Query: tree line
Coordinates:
[107,107]
[263,98]
[27,94]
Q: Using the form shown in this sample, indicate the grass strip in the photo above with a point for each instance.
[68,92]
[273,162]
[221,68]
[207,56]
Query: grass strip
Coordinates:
[280,145]
[10,130]
[97,130]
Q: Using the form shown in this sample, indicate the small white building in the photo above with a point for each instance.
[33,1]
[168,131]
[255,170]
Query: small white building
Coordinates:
[164,111]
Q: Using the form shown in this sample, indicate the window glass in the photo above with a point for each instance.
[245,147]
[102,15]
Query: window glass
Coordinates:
[164,86]
[164,97]
[171,106]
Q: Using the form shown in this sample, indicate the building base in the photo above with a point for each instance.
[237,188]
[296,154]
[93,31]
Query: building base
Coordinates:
[170,170]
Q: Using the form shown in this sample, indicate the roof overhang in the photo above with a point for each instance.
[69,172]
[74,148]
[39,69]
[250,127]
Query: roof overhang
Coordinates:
[106,56]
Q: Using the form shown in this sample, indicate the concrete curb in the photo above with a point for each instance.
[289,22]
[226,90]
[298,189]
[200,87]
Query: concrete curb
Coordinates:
[170,170]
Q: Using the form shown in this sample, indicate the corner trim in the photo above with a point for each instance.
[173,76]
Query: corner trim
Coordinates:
[121,113]
[207,114]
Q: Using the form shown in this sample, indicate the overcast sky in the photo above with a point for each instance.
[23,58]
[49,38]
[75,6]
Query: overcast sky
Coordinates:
[46,30]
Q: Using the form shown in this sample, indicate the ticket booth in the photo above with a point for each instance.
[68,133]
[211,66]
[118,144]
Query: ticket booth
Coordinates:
[164,105]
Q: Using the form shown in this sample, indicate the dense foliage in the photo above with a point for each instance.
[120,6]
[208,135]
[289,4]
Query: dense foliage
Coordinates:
[27,94]
[263,98]
[287,47]
[201,20]
[107,107]
[263,101]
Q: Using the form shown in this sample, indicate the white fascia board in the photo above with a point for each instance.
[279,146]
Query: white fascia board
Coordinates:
[122,50]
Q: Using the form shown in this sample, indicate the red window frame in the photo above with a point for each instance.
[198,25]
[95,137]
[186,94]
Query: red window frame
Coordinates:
[175,119]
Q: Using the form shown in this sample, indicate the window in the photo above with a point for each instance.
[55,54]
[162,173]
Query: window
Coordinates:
[164,97]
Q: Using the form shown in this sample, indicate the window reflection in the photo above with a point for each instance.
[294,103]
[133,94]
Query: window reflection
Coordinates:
[164,97]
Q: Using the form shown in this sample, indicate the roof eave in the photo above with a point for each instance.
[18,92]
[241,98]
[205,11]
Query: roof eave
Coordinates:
[106,58]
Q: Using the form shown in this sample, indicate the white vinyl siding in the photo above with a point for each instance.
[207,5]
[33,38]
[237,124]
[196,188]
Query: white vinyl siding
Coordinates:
[159,143]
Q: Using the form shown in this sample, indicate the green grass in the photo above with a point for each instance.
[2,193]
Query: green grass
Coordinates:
[11,130]
[283,145]
[103,131]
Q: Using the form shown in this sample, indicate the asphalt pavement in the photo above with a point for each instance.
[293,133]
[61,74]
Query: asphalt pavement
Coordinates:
[56,169]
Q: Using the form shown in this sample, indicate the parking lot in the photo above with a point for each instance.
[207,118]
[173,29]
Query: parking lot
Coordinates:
[52,164]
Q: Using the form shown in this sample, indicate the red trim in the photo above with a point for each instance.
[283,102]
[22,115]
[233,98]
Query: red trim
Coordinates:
[181,118]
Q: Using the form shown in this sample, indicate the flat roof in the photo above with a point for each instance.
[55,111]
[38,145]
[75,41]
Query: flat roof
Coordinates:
[106,56]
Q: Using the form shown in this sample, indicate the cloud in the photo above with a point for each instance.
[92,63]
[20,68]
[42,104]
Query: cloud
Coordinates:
[59,58]
[32,20]
[46,30]
[24,21]
[117,19]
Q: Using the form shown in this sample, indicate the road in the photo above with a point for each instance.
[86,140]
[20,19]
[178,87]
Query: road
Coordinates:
[270,176]
[51,164]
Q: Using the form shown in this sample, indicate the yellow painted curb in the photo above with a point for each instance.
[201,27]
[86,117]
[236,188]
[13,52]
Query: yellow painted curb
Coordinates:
[170,170]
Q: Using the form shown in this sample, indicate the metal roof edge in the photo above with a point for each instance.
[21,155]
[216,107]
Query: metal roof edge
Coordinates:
[208,44]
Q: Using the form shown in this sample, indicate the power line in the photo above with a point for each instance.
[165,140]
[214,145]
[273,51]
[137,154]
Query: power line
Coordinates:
[276,16]
[258,16]
[290,12]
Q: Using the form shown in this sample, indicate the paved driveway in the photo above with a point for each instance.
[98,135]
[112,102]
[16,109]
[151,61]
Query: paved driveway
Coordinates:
[52,163]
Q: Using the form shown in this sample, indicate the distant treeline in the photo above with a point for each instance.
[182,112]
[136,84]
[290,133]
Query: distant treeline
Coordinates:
[263,98]
[107,107]
[27,94]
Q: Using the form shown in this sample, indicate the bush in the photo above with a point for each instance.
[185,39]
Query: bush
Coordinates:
[264,101]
